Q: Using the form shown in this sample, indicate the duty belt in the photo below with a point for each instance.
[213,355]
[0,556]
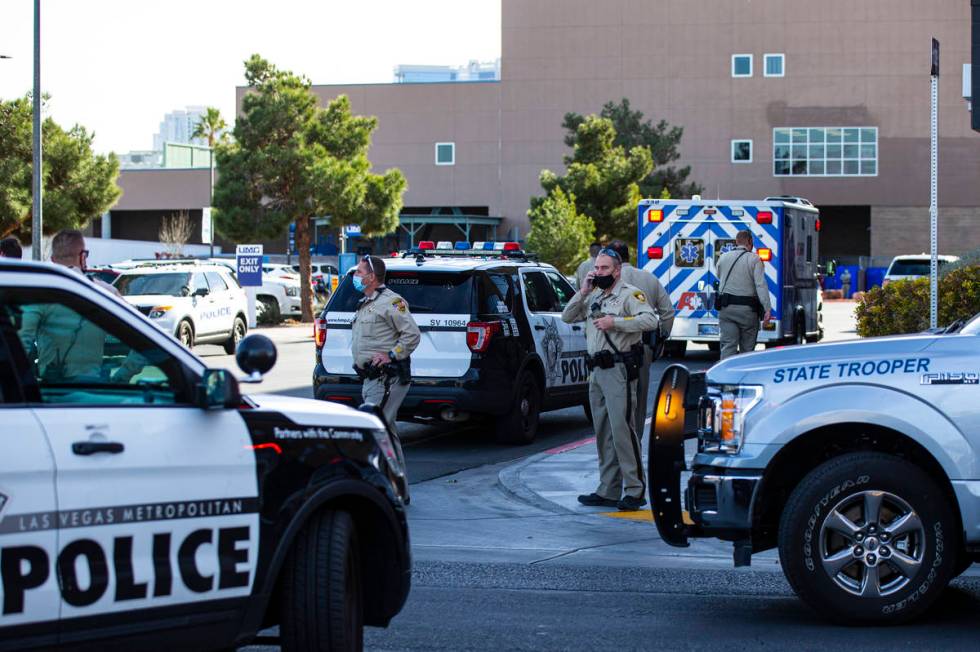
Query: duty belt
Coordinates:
[738,300]
[608,359]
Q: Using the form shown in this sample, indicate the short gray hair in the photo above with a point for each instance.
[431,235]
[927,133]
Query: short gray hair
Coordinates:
[67,244]
[744,237]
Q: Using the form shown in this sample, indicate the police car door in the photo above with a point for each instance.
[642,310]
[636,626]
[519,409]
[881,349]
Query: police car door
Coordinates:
[157,499]
[204,303]
[28,532]
[572,363]
[222,302]
[550,333]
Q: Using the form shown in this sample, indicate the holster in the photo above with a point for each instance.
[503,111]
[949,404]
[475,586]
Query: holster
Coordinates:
[368,372]
[401,370]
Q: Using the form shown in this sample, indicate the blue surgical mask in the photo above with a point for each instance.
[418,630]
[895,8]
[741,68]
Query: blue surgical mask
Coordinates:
[359,284]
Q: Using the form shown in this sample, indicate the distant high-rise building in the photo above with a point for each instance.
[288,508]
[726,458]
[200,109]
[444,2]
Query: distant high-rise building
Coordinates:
[177,127]
[473,71]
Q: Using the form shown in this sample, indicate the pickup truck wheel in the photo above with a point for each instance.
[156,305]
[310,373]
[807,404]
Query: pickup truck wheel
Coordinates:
[520,424]
[322,600]
[238,330]
[868,538]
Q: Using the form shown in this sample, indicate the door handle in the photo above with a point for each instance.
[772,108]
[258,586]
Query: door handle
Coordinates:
[576,328]
[538,327]
[93,447]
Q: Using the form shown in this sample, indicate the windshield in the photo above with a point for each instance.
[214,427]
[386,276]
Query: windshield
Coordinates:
[425,292]
[972,327]
[912,267]
[169,284]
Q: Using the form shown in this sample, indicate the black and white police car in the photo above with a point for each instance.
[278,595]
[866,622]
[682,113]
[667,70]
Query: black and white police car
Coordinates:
[146,504]
[493,342]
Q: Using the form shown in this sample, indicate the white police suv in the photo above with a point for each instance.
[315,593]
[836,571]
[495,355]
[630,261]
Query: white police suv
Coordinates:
[493,342]
[146,504]
[196,303]
[859,460]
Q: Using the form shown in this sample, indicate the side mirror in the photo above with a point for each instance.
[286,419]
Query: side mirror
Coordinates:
[201,292]
[217,390]
[256,355]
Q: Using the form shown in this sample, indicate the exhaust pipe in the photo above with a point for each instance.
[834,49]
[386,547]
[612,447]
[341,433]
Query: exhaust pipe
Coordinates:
[453,415]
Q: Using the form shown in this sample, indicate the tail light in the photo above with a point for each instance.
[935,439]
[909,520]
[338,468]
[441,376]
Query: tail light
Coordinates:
[655,253]
[479,334]
[816,225]
[320,331]
[765,255]
[655,215]
[764,217]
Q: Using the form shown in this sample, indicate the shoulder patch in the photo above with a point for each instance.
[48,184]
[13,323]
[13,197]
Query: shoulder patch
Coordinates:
[400,304]
[640,296]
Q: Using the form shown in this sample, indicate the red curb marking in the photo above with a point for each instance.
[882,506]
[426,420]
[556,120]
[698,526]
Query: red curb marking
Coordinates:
[567,447]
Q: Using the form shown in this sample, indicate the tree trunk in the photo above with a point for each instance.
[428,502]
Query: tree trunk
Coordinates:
[305,287]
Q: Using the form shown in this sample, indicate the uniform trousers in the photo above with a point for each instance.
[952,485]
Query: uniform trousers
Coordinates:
[387,393]
[739,326]
[611,398]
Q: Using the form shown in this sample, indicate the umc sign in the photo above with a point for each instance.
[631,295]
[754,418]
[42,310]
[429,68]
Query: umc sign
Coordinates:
[248,259]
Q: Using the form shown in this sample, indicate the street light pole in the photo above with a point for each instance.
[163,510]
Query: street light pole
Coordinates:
[36,216]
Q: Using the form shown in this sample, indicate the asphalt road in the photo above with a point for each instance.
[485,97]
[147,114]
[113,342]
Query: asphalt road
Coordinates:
[506,602]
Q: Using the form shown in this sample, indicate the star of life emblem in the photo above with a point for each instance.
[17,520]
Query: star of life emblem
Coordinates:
[689,253]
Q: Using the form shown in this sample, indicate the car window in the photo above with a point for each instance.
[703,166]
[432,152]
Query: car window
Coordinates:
[79,354]
[216,282]
[496,293]
[230,280]
[198,282]
[540,295]
[425,292]
[171,284]
[972,327]
[563,290]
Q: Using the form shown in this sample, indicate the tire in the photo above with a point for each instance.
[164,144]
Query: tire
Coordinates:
[520,424]
[587,407]
[873,588]
[238,330]
[268,311]
[675,348]
[322,598]
[185,334]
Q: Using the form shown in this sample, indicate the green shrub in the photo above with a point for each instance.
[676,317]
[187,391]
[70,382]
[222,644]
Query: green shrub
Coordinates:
[903,306]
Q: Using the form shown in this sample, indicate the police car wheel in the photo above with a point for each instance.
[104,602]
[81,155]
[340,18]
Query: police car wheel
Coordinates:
[238,330]
[322,602]
[588,410]
[185,334]
[868,538]
[520,424]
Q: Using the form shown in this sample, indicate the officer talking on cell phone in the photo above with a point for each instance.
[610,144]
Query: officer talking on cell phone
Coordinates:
[384,334]
[615,314]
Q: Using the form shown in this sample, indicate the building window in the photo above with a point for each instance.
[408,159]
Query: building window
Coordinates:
[741,151]
[741,65]
[774,65]
[825,151]
[445,153]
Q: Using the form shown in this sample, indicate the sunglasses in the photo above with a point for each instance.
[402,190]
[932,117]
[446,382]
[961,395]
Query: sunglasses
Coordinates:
[367,259]
[611,253]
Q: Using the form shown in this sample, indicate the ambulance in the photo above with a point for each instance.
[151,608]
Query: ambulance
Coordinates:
[680,242]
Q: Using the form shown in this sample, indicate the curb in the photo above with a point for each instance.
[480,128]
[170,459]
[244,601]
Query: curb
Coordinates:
[510,482]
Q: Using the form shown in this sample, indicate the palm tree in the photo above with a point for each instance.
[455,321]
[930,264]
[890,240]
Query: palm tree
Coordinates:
[211,127]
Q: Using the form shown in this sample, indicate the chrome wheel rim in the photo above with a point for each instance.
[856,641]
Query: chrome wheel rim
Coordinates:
[872,544]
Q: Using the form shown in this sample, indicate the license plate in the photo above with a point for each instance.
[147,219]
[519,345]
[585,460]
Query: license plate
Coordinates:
[708,329]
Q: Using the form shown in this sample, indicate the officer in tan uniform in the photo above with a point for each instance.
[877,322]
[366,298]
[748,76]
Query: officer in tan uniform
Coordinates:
[743,297]
[657,297]
[384,334]
[616,314]
[588,264]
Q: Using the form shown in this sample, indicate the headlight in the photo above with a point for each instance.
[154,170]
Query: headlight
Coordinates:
[721,417]
[159,311]
[388,449]
[292,290]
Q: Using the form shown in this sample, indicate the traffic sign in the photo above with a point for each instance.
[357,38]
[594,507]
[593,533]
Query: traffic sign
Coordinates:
[248,263]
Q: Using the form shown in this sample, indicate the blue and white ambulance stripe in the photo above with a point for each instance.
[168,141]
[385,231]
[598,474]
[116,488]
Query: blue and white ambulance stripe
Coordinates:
[695,224]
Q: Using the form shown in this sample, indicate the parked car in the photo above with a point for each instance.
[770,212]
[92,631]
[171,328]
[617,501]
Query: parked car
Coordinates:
[913,266]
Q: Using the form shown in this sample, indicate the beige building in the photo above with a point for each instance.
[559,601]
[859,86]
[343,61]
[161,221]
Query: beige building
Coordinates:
[826,100]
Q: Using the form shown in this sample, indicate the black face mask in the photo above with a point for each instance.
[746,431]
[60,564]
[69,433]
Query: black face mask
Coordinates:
[603,282]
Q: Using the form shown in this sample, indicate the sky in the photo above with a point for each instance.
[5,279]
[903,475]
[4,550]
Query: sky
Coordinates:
[117,66]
